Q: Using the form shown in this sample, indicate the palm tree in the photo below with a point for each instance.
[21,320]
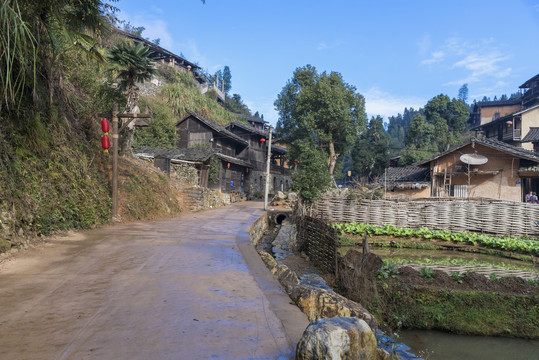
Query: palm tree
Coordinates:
[131,64]
[33,35]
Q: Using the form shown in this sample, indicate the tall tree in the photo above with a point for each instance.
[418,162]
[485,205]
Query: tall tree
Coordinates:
[131,64]
[227,79]
[322,109]
[463,93]
[370,154]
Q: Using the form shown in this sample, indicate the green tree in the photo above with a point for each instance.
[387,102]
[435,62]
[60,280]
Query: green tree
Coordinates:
[227,79]
[322,109]
[311,178]
[236,105]
[131,64]
[34,35]
[370,154]
[463,93]
[420,142]
[449,118]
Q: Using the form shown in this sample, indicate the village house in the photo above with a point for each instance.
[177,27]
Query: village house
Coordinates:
[483,168]
[256,156]
[510,120]
[239,150]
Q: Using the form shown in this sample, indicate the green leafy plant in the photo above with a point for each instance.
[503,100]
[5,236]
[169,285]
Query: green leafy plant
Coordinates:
[513,244]
[388,270]
[427,273]
[495,277]
[458,277]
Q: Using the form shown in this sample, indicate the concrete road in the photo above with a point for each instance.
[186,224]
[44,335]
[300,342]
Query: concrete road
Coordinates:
[191,287]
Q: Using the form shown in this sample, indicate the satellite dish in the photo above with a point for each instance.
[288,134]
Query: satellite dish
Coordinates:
[473,159]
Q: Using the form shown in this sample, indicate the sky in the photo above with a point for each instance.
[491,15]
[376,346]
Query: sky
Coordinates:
[396,53]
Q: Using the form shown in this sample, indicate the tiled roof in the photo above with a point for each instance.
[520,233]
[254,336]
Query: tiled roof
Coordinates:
[156,48]
[532,135]
[279,148]
[491,143]
[246,127]
[234,160]
[405,174]
[256,119]
[513,101]
[528,82]
[189,154]
[216,127]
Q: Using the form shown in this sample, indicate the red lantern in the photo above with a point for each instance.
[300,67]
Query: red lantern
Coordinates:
[105,143]
[105,126]
[228,165]
[262,140]
[246,170]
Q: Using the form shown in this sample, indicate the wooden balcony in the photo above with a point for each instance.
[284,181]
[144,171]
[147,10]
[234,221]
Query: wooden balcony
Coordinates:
[512,134]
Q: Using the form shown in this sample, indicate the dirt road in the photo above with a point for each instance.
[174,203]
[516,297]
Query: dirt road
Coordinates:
[191,287]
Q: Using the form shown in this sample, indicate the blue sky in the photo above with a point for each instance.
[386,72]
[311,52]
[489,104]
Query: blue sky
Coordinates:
[397,53]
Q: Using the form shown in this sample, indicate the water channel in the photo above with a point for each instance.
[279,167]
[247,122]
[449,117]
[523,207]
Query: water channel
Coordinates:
[436,345]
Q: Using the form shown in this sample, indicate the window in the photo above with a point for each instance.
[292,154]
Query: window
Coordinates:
[460,191]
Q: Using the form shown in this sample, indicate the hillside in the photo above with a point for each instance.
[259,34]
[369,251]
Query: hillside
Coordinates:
[54,173]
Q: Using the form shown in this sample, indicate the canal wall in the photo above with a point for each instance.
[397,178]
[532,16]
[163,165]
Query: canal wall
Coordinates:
[465,303]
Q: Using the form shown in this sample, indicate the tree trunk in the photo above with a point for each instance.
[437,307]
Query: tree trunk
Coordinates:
[332,158]
[131,107]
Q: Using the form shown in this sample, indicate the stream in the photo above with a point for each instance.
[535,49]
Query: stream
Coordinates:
[436,345]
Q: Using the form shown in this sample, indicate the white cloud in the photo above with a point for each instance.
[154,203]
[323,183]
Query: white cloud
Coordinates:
[474,62]
[424,45]
[437,56]
[324,46]
[379,102]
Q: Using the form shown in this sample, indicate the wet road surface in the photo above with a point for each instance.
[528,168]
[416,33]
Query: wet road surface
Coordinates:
[191,287]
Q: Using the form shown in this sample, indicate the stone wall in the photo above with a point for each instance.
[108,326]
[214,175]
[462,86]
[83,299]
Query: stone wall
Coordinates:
[255,183]
[186,173]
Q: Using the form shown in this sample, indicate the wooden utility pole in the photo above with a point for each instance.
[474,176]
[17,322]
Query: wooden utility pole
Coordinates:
[115,162]
[266,191]
[115,136]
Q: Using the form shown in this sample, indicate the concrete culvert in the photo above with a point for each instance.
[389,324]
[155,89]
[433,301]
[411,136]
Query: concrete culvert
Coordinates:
[279,218]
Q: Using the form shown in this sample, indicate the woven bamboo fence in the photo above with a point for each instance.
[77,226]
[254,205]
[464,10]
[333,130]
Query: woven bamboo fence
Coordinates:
[486,216]
[319,241]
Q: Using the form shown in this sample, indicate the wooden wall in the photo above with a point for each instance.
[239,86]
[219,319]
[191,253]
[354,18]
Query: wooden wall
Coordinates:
[505,184]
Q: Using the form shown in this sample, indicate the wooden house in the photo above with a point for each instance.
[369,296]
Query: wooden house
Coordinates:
[256,156]
[503,171]
[195,131]
[510,120]
[240,150]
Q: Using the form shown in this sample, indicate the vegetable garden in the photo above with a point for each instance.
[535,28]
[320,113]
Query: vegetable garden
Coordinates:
[513,244]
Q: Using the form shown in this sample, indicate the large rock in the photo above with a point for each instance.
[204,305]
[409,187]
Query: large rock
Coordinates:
[286,277]
[292,196]
[319,303]
[339,338]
